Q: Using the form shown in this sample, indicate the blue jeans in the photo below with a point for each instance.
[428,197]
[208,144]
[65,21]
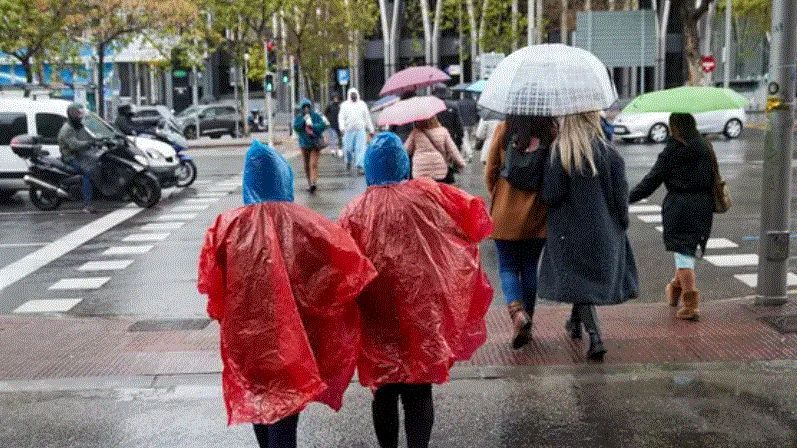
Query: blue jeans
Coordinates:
[85,167]
[517,266]
[354,148]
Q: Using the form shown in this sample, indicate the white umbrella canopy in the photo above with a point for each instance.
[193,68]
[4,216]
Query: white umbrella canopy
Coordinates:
[550,80]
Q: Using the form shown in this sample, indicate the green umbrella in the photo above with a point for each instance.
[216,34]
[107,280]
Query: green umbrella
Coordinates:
[687,100]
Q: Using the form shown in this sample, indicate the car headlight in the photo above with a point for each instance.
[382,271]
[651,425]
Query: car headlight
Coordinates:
[141,159]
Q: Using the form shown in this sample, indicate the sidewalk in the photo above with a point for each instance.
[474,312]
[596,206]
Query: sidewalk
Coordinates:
[731,331]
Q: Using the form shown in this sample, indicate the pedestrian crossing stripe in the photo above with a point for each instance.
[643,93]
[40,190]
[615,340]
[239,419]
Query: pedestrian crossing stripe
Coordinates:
[732,260]
[47,306]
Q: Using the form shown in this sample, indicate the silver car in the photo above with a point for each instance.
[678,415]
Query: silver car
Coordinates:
[653,127]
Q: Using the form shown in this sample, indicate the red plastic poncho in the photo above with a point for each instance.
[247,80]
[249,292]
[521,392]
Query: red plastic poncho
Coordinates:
[425,310]
[282,282]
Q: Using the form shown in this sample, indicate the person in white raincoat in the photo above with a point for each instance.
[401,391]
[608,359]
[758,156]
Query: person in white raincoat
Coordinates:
[354,121]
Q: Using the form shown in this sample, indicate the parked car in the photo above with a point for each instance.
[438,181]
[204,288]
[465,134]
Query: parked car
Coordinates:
[653,125]
[214,120]
[148,117]
[44,118]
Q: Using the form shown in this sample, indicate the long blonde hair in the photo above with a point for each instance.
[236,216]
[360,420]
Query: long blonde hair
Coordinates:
[574,142]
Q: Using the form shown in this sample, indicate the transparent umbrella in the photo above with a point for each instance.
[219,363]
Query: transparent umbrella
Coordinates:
[549,80]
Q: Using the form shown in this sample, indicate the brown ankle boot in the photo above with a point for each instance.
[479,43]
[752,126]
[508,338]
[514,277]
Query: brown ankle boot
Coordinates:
[689,310]
[673,292]
[521,324]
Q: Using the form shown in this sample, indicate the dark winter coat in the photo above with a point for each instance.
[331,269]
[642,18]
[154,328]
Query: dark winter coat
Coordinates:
[449,118]
[588,258]
[468,112]
[331,112]
[686,169]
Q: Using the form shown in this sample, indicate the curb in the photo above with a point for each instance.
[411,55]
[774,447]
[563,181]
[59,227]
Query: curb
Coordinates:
[213,379]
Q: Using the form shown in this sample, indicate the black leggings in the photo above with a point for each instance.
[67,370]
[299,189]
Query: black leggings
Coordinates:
[281,434]
[418,414]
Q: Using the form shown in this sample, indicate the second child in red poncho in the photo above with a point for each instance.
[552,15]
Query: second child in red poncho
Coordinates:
[425,309]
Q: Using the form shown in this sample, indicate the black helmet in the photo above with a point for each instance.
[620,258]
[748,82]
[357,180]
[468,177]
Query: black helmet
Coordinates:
[75,113]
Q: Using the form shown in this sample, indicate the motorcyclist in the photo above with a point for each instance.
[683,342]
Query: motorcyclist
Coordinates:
[75,144]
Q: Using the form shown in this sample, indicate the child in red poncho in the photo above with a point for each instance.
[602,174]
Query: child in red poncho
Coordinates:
[282,282]
[425,310]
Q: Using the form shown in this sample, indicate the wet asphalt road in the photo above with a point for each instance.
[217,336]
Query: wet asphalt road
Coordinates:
[160,281]
[689,406]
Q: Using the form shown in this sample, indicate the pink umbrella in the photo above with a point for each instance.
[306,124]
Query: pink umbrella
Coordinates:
[413,78]
[411,110]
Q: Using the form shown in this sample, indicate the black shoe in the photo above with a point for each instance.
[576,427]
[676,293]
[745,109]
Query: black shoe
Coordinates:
[573,328]
[596,348]
[312,189]
[90,210]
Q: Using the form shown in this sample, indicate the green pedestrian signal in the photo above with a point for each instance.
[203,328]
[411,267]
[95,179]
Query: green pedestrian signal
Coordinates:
[285,76]
[269,83]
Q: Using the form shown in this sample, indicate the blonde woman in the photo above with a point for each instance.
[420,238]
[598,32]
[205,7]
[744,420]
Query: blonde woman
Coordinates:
[588,260]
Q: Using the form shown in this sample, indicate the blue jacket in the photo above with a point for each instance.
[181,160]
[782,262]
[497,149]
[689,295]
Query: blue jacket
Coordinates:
[305,140]
[267,175]
[386,160]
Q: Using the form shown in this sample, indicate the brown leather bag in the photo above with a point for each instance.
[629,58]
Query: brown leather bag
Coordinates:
[722,194]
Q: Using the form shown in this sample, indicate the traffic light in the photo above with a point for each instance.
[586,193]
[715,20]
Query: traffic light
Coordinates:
[286,76]
[269,82]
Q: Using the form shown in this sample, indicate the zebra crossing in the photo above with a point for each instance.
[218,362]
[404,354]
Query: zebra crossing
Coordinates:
[95,273]
[651,214]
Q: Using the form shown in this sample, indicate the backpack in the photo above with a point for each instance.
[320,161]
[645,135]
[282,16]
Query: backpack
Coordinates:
[524,170]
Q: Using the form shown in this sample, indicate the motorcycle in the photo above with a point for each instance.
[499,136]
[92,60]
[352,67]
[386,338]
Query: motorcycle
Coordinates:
[123,171]
[168,133]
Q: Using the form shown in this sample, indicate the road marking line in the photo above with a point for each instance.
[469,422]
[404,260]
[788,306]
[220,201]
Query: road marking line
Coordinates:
[660,229]
[210,194]
[47,306]
[720,243]
[79,283]
[127,250]
[751,280]
[42,257]
[644,209]
[650,219]
[732,260]
[109,265]
[162,226]
[176,217]
[144,237]
[201,200]
[190,208]
[13,245]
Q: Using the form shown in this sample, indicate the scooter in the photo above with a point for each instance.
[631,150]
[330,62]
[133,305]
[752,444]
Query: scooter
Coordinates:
[123,172]
[167,133]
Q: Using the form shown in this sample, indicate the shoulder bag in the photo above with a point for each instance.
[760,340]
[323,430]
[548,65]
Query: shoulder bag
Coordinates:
[720,190]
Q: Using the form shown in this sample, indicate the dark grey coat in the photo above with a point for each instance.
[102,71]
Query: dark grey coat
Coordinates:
[686,169]
[588,258]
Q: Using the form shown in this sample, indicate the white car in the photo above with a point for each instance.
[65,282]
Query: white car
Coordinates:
[653,125]
[44,117]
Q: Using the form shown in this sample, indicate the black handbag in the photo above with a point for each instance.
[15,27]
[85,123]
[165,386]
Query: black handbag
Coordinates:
[522,169]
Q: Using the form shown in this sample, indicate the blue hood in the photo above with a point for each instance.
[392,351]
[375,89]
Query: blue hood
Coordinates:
[267,175]
[386,160]
[305,102]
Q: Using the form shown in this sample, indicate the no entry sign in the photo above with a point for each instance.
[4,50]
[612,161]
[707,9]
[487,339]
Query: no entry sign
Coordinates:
[708,63]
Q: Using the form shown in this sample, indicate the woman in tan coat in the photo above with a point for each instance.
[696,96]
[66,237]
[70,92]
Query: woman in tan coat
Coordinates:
[520,218]
[432,151]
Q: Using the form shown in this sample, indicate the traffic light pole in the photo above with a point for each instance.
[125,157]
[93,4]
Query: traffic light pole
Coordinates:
[269,119]
[776,190]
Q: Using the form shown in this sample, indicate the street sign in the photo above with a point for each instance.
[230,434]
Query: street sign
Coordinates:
[342,75]
[708,63]
[488,62]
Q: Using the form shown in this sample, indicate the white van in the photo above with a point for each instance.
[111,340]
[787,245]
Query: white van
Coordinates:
[44,117]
